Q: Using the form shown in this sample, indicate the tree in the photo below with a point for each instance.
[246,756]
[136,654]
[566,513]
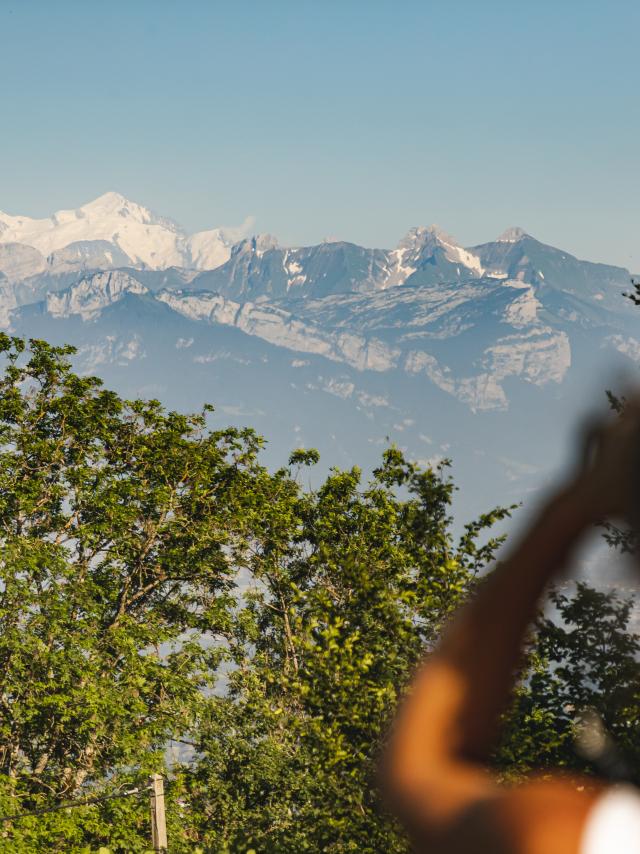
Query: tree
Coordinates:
[583,660]
[352,584]
[158,584]
[120,527]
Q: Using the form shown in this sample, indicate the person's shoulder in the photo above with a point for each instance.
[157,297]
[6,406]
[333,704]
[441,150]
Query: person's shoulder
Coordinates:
[550,816]
[562,816]
[546,816]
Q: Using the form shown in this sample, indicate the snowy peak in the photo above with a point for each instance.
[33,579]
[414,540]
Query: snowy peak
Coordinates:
[135,233]
[209,249]
[259,268]
[256,245]
[512,235]
[116,205]
[110,202]
[112,232]
[470,336]
[421,236]
[420,244]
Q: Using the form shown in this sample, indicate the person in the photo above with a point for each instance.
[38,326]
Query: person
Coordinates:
[435,770]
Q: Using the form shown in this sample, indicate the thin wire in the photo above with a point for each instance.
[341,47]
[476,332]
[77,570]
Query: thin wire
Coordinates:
[72,804]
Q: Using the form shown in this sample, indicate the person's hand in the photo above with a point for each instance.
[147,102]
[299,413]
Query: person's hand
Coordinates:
[607,484]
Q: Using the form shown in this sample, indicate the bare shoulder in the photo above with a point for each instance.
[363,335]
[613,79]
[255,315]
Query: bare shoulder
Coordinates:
[546,817]
[539,817]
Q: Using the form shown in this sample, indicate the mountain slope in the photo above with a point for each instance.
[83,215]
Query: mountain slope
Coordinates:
[466,338]
[517,255]
[183,349]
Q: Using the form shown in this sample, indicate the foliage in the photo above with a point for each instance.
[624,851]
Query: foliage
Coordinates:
[350,585]
[119,524]
[586,658]
[634,295]
[625,538]
[159,586]
[146,560]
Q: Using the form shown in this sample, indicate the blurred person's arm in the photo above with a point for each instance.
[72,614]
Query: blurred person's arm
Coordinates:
[434,771]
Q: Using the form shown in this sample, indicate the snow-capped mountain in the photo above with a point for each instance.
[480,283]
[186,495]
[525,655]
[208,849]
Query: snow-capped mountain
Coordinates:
[468,339]
[110,231]
[335,345]
[259,267]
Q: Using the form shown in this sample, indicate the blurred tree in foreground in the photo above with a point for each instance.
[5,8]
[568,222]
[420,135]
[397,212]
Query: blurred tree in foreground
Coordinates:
[585,660]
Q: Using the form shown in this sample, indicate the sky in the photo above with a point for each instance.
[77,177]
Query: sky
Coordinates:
[352,120]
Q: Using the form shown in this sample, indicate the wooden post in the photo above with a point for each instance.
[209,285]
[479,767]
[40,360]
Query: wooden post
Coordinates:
[158,823]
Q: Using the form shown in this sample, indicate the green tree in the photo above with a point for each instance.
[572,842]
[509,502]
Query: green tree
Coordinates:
[584,659]
[351,585]
[120,528]
[157,584]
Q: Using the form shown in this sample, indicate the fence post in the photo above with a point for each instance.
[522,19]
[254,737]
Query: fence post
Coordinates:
[158,823]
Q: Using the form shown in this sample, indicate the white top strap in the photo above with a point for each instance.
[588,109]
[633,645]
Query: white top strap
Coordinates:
[613,823]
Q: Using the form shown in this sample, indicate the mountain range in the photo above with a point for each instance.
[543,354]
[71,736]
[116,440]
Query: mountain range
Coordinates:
[477,353]
[110,231]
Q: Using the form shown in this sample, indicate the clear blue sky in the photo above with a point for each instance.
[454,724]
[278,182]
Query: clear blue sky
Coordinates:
[348,119]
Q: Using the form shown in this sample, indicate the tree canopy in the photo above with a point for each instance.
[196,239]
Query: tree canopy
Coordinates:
[167,604]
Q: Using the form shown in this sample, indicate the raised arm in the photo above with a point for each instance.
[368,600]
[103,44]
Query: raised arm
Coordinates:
[434,772]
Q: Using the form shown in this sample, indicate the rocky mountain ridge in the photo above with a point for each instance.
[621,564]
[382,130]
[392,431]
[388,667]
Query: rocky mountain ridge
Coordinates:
[467,338]
[112,233]
[475,352]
